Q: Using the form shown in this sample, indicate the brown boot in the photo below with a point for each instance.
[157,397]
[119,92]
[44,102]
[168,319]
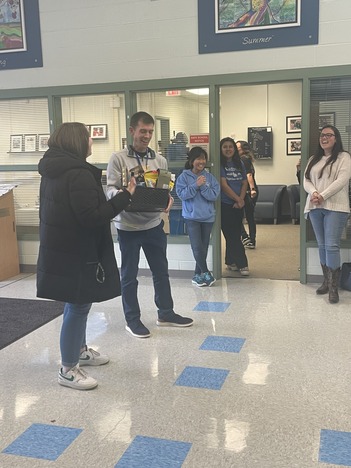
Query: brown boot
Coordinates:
[333,283]
[323,289]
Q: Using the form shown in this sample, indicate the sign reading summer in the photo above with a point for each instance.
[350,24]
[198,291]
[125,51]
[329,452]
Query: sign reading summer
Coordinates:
[228,25]
[20,42]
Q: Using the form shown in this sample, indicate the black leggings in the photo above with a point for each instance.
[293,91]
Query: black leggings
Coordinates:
[250,218]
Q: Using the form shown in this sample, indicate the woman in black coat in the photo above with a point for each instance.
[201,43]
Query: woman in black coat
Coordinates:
[76,263]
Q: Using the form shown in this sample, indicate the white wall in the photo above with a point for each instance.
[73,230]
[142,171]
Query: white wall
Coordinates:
[85,41]
[261,106]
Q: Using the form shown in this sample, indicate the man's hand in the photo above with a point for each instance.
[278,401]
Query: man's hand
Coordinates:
[170,203]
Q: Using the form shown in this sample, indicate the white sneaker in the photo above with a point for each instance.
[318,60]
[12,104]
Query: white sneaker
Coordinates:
[232,267]
[76,378]
[244,271]
[90,357]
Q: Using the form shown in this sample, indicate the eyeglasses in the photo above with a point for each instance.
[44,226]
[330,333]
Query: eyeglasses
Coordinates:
[326,135]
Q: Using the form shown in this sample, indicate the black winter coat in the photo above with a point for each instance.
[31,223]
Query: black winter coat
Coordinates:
[76,260]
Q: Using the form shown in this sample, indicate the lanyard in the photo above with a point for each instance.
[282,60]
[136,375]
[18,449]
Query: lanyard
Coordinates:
[141,159]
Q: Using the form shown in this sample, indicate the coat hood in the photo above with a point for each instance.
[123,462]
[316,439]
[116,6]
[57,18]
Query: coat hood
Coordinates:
[56,162]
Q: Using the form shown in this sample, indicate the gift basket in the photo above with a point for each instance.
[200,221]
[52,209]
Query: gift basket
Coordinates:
[152,190]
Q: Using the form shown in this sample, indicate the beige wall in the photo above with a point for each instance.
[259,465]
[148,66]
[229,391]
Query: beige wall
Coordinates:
[85,41]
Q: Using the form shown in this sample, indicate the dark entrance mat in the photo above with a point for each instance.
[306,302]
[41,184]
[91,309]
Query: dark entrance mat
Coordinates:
[18,317]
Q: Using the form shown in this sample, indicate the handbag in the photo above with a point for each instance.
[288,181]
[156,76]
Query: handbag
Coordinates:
[345,276]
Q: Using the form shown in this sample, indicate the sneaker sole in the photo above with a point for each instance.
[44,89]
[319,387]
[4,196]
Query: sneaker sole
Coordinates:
[129,330]
[246,273]
[75,386]
[250,246]
[172,324]
[211,283]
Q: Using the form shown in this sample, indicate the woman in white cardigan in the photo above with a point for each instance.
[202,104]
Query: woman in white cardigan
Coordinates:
[326,180]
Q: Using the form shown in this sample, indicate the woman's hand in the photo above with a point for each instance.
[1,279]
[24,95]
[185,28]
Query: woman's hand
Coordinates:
[201,180]
[316,198]
[240,203]
[253,193]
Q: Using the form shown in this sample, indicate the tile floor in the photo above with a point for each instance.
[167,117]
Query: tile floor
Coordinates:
[262,380]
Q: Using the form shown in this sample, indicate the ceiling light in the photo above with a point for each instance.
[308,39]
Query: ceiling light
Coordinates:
[199,92]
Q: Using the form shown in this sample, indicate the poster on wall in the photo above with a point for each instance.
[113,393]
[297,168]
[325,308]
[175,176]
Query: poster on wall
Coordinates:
[228,25]
[261,141]
[20,40]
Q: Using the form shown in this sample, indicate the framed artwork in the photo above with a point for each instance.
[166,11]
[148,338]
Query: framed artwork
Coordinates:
[20,45]
[293,146]
[327,118]
[30,143]
[228,25]
[293,124]
[43,142]
[98,132]
[16,143]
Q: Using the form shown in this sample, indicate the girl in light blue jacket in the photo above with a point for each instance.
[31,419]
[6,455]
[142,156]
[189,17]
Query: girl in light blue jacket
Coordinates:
[198,190]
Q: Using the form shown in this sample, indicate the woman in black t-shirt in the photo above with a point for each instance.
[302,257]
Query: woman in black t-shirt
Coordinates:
[247,157]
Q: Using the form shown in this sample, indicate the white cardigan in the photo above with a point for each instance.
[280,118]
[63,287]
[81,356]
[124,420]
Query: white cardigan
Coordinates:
[334,188]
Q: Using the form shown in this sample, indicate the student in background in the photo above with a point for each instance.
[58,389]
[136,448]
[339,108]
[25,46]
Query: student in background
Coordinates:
[198,190]
[326,181]
[76,263]
[233,191]
[247,157]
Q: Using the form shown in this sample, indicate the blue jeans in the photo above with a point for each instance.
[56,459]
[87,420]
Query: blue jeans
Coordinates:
[73,329]
[154,244]
[328,226]
[199,235]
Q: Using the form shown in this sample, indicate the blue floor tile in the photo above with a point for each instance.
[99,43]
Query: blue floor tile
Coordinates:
[204,306]
[335,447]
[43,441]
[223,343]
[202,377]
[149,452]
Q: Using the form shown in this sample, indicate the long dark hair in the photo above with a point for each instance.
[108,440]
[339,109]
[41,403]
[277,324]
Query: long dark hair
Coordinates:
[236,157]
[319,153]
[193,154]
[246,148]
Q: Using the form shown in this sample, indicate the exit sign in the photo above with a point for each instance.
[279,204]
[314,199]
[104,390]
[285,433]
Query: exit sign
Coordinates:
[175,92]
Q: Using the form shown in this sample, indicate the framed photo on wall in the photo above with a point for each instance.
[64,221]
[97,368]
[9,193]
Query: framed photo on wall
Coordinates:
[327,118]
[30,143]
[293,146]
[16,143]
[98,132]
[43,142]
[293,124]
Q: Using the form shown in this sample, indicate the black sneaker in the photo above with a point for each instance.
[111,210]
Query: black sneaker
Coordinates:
[245,240]
[175,320]
[138,329]
[250,245]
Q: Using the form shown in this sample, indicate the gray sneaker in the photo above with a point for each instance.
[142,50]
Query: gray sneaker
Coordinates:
[90,357]
[76,378]
[244,271]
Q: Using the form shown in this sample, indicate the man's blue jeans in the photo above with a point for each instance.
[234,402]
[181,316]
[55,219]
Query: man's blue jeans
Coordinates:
[73,332]
[328,226]
[154,244]
[199,235]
